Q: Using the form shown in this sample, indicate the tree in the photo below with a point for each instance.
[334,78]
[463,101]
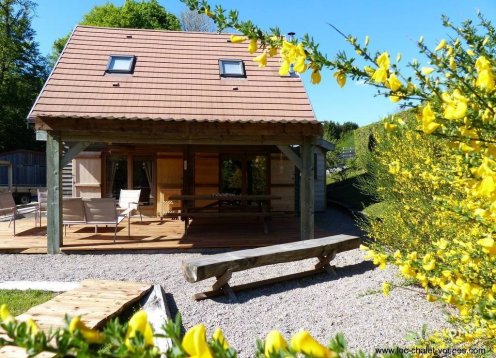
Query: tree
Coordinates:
[22,73]
[193,21]
[133,14]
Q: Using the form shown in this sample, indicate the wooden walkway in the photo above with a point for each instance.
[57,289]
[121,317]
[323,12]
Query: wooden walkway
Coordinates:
[95,301]
[153,234]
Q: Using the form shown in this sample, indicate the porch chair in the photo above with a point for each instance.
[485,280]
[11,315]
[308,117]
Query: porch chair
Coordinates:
[72,212]
[129,202]
[42,205]
[103,211]
[8,207]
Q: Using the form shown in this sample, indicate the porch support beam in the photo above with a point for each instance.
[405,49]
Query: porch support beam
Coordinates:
[74,150]
[307,190]
[54,185]
[288,152]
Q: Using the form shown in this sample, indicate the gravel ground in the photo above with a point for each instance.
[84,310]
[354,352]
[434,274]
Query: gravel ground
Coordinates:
[350,303]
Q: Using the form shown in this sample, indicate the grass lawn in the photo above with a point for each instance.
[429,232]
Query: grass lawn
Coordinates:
[20,301]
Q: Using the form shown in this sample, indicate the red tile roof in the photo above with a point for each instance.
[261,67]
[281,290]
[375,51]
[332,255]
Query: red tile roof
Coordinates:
[176,78]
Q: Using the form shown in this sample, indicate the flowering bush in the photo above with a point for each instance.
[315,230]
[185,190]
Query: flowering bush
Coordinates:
[136,339]
[437,172]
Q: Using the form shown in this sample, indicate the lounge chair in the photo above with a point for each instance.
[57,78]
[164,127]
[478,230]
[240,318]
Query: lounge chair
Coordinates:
[8,207]
[72,212]
[129,202]
[41,206]
[103,211]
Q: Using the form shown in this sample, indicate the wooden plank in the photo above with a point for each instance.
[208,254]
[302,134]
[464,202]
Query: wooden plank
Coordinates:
[198,269]
[54,201]
[158,314]
[307,183]
[74,150]
[92,301]
[289,152]
[100,309]
[221,214]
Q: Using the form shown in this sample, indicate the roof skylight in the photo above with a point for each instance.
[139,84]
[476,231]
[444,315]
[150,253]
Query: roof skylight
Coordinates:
[121,64]
[232,68]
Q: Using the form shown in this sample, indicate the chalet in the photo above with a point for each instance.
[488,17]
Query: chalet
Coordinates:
[177,113]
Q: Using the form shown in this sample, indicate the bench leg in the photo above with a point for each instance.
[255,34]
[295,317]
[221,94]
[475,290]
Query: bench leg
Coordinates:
[324,263]
[221,286]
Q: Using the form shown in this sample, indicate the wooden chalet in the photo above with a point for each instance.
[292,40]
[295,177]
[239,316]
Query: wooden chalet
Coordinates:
[177,113]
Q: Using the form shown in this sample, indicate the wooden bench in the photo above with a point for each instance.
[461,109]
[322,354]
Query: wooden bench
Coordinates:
[223,265]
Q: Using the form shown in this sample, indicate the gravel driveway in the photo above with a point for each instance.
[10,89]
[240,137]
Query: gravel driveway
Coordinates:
[320,304]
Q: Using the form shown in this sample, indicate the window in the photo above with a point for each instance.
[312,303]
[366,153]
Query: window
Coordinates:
[232,68]
[121,64]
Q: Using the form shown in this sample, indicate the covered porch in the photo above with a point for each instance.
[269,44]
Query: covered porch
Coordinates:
[79,133]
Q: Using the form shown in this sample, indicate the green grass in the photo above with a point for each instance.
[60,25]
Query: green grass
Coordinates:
[20,301]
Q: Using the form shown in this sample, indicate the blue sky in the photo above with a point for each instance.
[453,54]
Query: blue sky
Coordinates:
[392,25]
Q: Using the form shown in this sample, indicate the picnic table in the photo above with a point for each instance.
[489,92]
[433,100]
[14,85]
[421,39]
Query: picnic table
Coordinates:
[216,210]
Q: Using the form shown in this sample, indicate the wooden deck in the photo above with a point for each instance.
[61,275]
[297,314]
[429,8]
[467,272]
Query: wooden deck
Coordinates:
[96,301]
[153,234]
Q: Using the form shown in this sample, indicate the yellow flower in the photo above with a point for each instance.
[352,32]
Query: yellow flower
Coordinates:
[261,59]
[427,70]
[303,342]
[284,69]
[428,263]
[441,45]
[389,127]
[430,127]
[386,288]
[316,77]
[431,298]
[455,105]
[380,75]
[208,12]
[274,342]
[195,342]
[340,77]
[485,80]
[395,98]
[470,52]
[139,323]
[272,51]
[486,186]
[219,337]
[482,63]
[90,335]
[33,328]
[452,63]
[367,39]
[465,148]
[383,60]
[369,70]
[253,46]
[238,39]
[300,65]
[5,315]
[363,247]
[393,83]
[487,243]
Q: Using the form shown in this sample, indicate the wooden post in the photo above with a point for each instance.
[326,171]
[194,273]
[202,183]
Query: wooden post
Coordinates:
[307,190]
[54,185]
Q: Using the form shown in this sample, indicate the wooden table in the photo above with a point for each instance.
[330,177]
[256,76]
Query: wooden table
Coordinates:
[188,211]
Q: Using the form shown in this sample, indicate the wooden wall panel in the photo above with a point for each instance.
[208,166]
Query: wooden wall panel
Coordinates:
[87,173]
[282,179]
[206,176]
[169,179]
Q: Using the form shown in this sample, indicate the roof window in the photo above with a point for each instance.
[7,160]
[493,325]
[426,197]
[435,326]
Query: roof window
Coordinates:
[232,68]
[121,64]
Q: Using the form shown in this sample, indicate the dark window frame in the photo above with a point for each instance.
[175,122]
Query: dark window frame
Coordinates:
[129,70]
[232,75]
